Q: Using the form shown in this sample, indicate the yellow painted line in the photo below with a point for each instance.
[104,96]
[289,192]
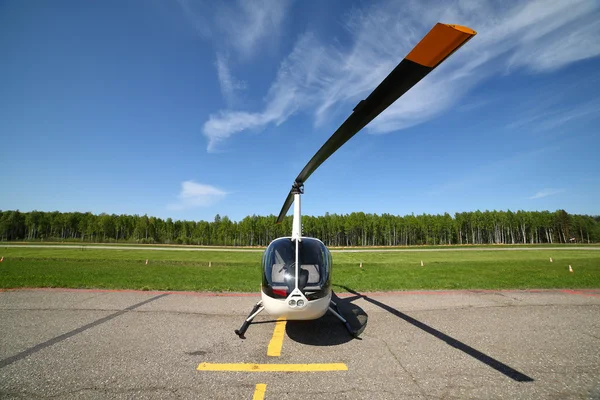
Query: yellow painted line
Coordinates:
[276,342]
[243,367]
[259,392]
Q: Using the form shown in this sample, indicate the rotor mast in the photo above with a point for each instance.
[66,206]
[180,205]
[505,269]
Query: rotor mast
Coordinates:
[297,190]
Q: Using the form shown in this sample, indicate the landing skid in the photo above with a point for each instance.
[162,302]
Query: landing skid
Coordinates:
[336,311]
[258,307]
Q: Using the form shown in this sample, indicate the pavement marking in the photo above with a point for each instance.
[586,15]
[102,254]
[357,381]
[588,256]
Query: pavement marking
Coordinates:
[64,336]
[593,292]
[197,294]
[274,349]
[249,367]
[259,392]
[581,292]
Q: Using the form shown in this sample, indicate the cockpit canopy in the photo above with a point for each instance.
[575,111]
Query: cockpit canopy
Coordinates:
[279,267]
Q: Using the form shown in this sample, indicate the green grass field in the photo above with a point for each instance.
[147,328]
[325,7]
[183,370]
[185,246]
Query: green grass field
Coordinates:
[241,271]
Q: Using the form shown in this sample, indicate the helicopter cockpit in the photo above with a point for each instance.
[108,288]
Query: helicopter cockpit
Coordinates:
[279,268]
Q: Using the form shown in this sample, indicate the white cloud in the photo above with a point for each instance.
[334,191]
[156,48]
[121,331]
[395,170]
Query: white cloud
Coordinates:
[249,23]
[545,193]
[562,33]
[488,171]
[563,116]
[322,77]
[195,13]
[242,26]
[195,195]
[229,85]
[549,116]
[297,84]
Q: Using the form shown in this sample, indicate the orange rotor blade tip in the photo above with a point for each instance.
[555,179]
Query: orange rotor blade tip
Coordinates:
[462,28]
[439,43]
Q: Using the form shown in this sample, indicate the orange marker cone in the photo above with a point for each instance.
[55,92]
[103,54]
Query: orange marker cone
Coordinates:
[422,265]
[570,269]
[550,259]
[146,261]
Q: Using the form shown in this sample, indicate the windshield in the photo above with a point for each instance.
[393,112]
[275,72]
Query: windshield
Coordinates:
[279,265]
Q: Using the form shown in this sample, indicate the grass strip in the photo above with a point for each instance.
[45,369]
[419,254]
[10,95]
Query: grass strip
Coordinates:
[241,272]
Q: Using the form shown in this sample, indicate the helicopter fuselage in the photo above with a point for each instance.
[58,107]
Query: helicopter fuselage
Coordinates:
[279,308]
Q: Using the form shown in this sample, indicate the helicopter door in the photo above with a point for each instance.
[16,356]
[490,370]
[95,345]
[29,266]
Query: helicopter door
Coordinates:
[278,267]
[313,265]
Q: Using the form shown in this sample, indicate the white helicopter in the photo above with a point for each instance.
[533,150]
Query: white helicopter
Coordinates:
[296,283]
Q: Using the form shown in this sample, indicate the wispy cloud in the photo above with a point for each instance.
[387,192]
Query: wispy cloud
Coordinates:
[568,115]
[249,23]
[562,103]
[546,193]
[488,171]
[195,195]
[298,83]
[195,13]
[242,26]
[547,118]
[321,77]
[229,85]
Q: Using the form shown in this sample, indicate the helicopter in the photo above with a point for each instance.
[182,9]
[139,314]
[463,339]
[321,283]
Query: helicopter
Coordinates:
[296,281]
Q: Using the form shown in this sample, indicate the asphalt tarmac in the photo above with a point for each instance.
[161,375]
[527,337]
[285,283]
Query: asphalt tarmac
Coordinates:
[88,344]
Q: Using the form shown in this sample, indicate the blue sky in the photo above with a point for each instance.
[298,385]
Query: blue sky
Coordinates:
[186,109]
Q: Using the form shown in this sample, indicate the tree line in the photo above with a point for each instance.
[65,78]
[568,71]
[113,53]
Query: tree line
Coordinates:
[355,229]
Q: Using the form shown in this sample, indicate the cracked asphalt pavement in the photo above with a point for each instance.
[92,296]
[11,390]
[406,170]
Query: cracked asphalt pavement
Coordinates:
[89,344]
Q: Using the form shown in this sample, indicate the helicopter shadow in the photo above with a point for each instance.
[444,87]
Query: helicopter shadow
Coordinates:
[499,366]
[328,330]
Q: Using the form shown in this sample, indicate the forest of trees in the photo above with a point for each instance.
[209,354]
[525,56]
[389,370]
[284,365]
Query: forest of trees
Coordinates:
[355,229]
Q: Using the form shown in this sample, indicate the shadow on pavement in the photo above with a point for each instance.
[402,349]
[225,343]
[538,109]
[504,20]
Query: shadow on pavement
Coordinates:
[484,358]
[328,330]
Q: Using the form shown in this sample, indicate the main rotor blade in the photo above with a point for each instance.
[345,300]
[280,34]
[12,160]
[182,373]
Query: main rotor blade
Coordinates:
[286,206]
[441,41]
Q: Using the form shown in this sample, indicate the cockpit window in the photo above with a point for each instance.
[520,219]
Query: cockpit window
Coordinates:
[279,265]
